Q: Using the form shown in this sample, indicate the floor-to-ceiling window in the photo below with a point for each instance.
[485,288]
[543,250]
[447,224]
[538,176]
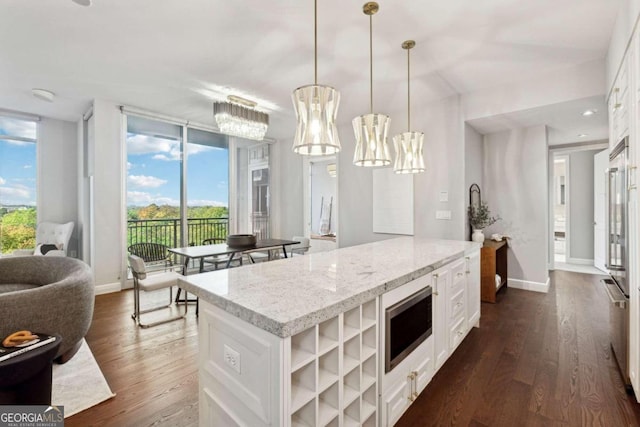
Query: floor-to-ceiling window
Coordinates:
[17,184]
[177,183]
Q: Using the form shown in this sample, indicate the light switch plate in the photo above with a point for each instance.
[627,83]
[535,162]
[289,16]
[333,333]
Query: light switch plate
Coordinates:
[232,358]
[443,214]
[444,196]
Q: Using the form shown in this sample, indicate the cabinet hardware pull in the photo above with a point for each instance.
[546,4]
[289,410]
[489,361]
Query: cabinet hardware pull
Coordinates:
[631,187]
[467,272]
[458,274]
[467,258]
[415,395]
[436,275]
[435,293]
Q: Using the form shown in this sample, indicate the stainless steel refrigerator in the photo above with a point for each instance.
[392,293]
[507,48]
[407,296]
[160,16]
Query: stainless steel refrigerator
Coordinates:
[618,255]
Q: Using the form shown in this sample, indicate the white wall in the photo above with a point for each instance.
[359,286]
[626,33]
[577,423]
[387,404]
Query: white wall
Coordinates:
[109,224]
[581,204]
[58,175]
[515,187]
[444,154]
[473,161]
[287,192]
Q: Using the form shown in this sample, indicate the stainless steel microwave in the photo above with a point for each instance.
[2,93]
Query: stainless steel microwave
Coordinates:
[407,324]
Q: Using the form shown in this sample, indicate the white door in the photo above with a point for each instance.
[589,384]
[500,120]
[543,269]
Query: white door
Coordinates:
[600,165]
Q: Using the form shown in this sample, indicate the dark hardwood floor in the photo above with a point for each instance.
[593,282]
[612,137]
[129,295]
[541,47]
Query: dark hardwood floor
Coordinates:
[537,360]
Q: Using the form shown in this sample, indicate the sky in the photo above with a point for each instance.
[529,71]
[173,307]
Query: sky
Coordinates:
[17,163]
[153,173]
[153,169]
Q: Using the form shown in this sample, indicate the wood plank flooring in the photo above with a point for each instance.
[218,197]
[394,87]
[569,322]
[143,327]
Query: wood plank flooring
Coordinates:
[537,360]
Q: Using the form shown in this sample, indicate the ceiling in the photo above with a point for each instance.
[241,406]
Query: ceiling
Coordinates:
[176,57]
[565,122]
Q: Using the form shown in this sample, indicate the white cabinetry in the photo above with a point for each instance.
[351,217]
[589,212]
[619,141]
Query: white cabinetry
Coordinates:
[334,371]
[619,104]
[440,283]
[473,289]
[456,304]
[401,385]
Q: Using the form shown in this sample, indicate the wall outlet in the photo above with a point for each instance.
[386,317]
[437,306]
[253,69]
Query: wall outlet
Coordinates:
[232,358]
[443,214]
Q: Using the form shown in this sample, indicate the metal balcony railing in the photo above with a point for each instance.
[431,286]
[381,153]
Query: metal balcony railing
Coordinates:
[169,231]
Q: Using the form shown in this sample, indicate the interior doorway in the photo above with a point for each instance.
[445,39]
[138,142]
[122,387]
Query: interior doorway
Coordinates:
[321,203]
[560,208]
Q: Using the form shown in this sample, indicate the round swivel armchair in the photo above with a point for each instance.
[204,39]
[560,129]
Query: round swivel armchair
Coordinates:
[47,295]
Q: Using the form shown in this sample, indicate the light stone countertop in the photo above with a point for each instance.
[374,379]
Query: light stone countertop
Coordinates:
[287,296]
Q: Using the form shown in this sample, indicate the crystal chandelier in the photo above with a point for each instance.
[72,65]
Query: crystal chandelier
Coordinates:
[239,118]
[316,108]
[408,145]
[371,129]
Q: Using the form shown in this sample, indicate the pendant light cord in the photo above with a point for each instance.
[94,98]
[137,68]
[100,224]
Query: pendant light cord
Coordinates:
[371,62]
[408,91]
[315,41]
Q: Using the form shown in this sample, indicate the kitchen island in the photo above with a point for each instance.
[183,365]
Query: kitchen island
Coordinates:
[301,341]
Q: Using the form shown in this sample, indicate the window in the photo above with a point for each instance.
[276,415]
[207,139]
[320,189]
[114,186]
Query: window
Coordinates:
[17,184]
[177,190]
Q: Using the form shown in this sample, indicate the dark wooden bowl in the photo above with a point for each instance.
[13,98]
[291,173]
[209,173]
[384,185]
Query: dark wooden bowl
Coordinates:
[241,240]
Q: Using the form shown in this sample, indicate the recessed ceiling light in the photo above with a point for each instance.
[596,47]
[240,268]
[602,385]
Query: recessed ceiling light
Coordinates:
[43,94]
[588,113]
[83,2]
[582,135]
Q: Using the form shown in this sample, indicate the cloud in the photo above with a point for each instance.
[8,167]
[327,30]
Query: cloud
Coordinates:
[206,203]
[27,166]
[144,181]
[143,144]
[163,149]
[15,195]
[16,127]
[141,198]
[129,165]
[2,181]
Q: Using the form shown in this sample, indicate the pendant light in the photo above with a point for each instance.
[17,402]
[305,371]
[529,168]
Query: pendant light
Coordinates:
[316,108]
[371,129]
[408,145]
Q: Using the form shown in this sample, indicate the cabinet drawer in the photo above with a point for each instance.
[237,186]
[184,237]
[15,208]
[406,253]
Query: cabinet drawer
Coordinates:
[458,276]
[457,305]
[457,333]
[396,402]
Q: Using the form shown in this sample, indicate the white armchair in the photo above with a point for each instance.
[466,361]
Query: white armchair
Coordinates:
[50,233]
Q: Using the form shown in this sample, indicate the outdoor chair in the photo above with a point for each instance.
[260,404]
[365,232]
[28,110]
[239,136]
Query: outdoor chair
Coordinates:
[153,254]
[151,282]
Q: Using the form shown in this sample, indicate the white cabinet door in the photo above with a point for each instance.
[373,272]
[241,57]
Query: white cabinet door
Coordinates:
[396,401]
[424,368]
[440,283]
[473,289]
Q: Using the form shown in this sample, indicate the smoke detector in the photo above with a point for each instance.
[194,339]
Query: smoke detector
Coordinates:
[43,94]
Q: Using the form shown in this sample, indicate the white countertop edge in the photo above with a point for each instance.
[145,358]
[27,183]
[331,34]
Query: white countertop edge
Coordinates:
[308,320]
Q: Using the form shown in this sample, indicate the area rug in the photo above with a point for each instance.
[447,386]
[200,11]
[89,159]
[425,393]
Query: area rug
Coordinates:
[79,384]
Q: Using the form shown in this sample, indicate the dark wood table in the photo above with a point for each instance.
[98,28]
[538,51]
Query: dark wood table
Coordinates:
[25,379]
[205,251]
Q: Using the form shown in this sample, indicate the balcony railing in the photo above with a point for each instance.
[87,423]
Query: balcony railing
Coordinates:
[169,231]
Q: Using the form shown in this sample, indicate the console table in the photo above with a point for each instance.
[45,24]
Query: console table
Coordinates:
[493,260]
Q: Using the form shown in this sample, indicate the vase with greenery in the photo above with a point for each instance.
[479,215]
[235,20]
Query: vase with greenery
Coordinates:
[480,218]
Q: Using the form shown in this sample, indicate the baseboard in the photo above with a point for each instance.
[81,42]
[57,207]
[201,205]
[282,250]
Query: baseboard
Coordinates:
[529,286]
[580,261]
[108,288]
